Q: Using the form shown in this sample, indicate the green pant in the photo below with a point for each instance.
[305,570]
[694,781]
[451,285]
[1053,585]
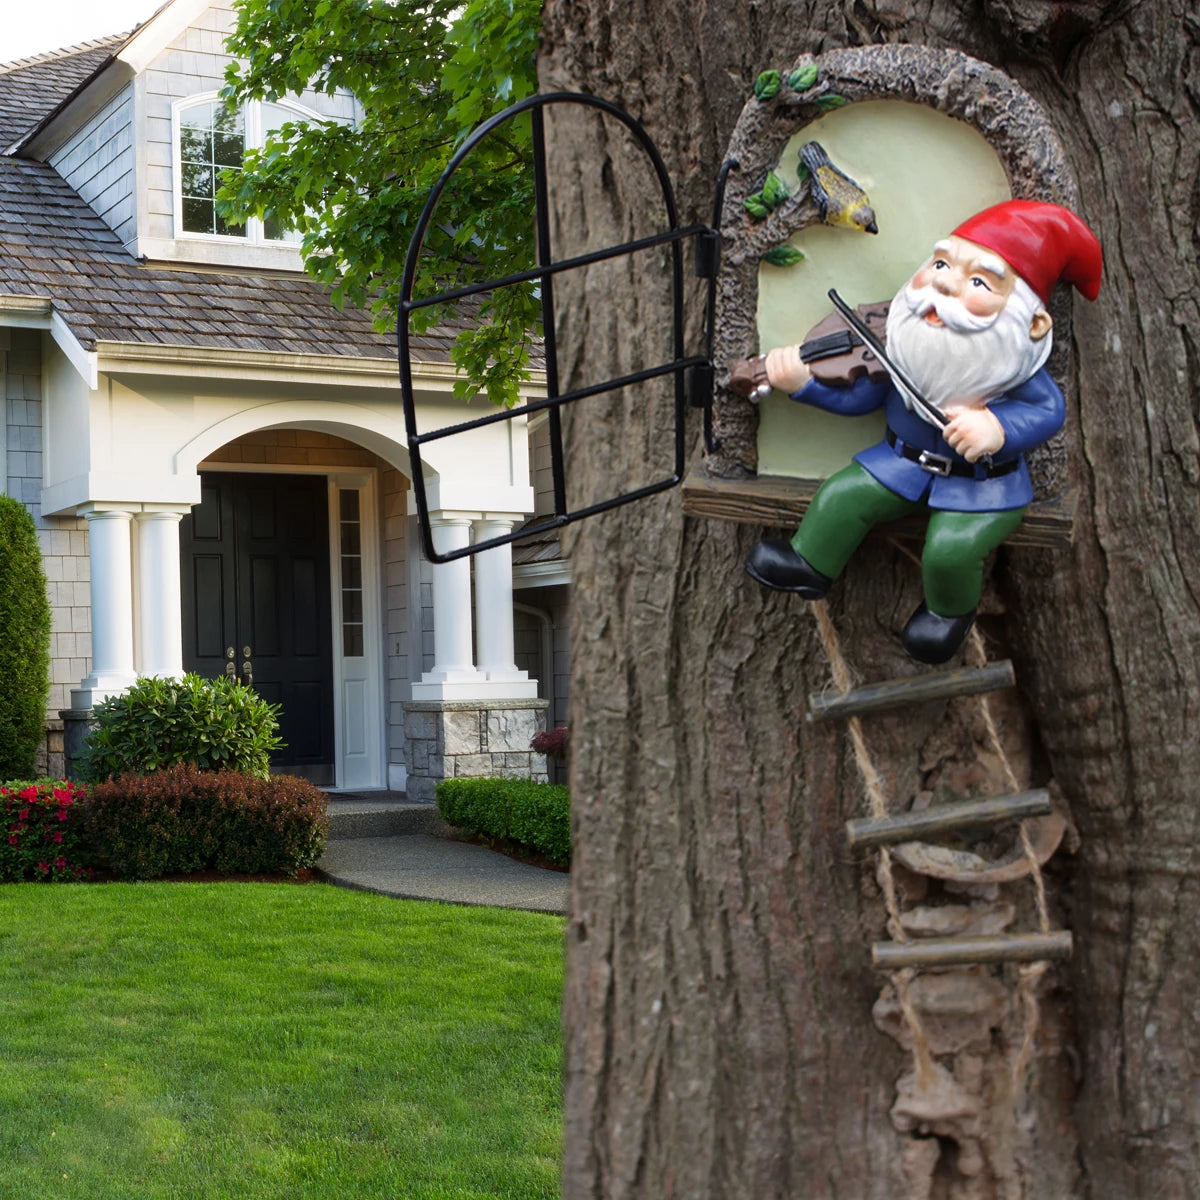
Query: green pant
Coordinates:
[852,502]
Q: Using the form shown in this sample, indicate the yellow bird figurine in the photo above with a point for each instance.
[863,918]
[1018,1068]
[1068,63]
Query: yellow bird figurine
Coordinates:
[838,198]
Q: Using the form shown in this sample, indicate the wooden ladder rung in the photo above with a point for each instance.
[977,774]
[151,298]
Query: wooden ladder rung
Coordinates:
[917,689]
[948,818]
[964,951]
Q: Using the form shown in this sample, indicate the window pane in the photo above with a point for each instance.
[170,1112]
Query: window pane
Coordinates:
[274,115]
[198,180]
[229,228]
[277,231]
[210,140]
[352,572]
[197,215]
[229,139]
[198,118]
[195,145]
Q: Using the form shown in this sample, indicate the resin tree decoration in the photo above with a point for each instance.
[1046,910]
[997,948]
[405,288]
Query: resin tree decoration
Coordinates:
[966,395]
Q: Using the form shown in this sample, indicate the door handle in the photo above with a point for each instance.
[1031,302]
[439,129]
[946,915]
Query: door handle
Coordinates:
[248,672]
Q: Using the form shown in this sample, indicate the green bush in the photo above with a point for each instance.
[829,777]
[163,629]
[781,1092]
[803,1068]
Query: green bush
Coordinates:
[182,819]
[534,815]
[215,724]
[24,641]
[44,837]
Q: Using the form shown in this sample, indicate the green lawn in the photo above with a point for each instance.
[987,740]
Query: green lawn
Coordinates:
[203,1041]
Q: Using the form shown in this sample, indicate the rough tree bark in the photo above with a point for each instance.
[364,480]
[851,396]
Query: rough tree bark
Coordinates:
[719,997]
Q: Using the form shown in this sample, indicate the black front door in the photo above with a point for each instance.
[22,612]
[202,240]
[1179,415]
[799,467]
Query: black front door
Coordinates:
[255,560]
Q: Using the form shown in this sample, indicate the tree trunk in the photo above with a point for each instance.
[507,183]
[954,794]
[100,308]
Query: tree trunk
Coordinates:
[720,1034]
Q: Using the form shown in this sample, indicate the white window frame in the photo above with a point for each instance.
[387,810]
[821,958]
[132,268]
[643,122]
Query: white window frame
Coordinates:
[253,126]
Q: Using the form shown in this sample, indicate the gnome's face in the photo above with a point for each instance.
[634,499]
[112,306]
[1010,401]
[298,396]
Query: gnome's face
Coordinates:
[966,328]
[974,280]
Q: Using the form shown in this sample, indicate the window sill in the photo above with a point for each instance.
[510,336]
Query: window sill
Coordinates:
[220,252]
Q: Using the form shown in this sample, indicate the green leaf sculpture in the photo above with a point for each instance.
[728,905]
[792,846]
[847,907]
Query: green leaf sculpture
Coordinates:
[830,101]
[774,191]
[803,79]
[767,85]
[756,206]
[784,256]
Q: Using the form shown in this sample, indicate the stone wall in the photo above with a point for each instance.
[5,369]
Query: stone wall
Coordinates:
[453,739]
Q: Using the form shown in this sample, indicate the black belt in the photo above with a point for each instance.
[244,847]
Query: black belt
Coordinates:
[941,464]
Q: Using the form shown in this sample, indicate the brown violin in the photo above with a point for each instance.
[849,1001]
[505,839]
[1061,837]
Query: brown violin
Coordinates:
[833,352]
[836,354]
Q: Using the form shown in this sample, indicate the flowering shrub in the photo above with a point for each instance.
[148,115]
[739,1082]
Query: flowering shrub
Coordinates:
[181,819]
[535,815]
[553,743]
[41,832]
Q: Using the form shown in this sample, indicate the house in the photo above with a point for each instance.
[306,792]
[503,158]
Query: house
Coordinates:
[215,456]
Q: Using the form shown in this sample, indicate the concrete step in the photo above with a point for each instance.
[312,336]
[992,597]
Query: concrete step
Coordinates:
[378,815]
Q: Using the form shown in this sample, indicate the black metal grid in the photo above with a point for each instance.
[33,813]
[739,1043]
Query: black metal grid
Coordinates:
[699,365]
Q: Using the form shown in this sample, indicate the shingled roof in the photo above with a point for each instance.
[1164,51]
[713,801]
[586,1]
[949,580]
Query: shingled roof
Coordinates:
[30,88]
[53,246]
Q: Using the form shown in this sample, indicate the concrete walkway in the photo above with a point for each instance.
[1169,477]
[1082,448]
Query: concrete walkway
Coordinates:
[378,842]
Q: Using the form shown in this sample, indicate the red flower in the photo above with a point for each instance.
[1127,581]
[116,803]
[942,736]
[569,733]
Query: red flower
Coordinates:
[58,836]
[13,838]
[60,863]
[30,793]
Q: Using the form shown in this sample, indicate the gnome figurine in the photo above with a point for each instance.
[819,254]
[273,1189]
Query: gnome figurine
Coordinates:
[970,332]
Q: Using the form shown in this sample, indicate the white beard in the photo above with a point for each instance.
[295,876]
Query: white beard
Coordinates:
[968,360]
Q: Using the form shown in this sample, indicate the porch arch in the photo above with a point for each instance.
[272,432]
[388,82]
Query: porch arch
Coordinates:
[355,423]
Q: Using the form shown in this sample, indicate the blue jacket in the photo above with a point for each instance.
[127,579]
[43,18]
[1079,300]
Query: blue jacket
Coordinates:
[1029,414]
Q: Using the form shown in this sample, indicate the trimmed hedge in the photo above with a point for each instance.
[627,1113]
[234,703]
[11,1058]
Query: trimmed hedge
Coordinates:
[534,815]
[217,724]
[181,819]
[43,834]
[24,641]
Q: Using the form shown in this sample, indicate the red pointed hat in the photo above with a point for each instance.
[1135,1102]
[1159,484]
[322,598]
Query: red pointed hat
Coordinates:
[1042,242]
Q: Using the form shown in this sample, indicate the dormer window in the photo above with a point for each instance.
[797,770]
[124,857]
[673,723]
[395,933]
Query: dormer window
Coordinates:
[211,139]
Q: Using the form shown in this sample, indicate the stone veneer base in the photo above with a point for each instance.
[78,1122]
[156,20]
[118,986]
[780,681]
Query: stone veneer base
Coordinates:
[449,739]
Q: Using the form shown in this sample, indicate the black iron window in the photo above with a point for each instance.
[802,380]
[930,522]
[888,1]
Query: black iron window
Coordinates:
[697,368]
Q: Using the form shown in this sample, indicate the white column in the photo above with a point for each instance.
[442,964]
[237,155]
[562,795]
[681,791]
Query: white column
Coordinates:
[494,608]
[112,605]
[453,675]
[160,607]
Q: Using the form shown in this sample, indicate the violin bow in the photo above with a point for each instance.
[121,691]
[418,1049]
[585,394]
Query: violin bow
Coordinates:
[868,336]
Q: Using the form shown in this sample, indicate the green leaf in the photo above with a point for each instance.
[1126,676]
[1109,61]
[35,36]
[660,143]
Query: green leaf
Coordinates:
[784,256]
[756,206]
[767,85]
[774,190]
[803,79]
[830,101]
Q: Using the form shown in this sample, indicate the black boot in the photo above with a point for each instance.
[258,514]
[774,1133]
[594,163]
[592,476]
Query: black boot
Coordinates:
[932,639]
[776,565]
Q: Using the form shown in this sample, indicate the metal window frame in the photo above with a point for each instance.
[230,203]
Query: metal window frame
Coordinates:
[699,366]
